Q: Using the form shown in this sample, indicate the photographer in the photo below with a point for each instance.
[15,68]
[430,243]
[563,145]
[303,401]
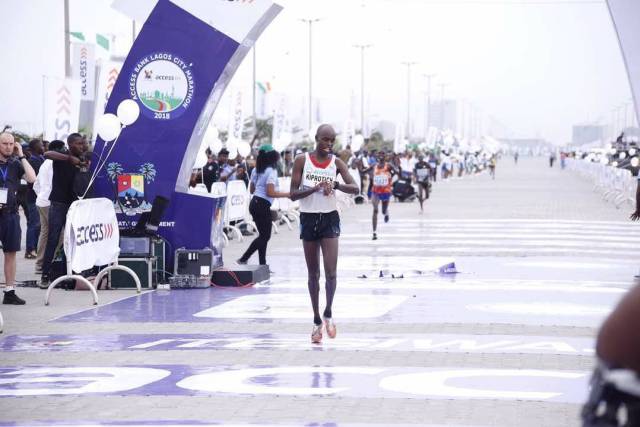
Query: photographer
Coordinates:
[11,171]
[65,168]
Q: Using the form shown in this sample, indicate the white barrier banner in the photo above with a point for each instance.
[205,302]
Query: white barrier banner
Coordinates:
[399,143]
[236,118]
[281,134]
[626,15]
[237,200]
[84,69]
[107,79]
[91,235]
[348,132]
[61,107]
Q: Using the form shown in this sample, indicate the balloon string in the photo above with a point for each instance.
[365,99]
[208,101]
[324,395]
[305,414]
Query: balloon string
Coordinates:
[104,146]
[100,166]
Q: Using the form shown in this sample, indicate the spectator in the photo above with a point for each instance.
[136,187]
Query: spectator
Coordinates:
[23,189]
[42,188]
[225,168]
[345,154]
[287,163]
[11,171]
[33,218]
[407,164]
[210,171]
[264,187]
[65,168]
[240,172]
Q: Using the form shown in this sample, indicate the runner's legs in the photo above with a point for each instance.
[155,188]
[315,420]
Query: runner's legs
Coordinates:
[312,257]
[330,258]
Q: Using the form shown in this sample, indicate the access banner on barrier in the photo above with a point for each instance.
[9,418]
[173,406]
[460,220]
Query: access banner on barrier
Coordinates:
[91,235]
[237,200]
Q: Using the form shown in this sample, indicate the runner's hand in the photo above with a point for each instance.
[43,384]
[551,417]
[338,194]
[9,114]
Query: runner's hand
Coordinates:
[327,188]
[635,216]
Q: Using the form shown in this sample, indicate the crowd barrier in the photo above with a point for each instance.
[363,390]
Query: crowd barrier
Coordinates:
[615,185]
[87,219]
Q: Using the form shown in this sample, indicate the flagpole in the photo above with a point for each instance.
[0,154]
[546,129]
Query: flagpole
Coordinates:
[67,44]
[253,92]
[44,85]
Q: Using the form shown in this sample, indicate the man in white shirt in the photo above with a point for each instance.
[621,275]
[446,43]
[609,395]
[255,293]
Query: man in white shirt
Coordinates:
[42,188]
[407,163]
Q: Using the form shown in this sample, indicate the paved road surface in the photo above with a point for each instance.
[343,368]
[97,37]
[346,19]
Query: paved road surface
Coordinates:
[508,341]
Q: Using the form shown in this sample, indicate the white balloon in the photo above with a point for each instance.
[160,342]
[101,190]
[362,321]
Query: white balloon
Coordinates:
[635,162]
[356,142]
[614,164]
[209,137]
[632,151]
[216,146]
[128,112]
[244,149]
[280,144]
[201,160]
[232,149]
[108,127]
[622,155]
[213,131]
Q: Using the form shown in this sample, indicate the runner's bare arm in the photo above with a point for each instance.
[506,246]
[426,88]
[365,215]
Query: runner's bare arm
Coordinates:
[350,185]
[618,341]
[296,178]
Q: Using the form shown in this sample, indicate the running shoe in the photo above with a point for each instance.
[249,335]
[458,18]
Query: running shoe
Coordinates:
[316,334]
[375,237]
[386,218]
[239,261]
[330,327]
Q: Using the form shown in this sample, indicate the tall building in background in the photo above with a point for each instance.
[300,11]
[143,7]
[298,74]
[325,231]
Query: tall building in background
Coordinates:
[585,134]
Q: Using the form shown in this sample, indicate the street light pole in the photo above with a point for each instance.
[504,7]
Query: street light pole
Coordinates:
[442,86]
[470,128]
[362,47]
[409,64]
[427,120]
[310,21]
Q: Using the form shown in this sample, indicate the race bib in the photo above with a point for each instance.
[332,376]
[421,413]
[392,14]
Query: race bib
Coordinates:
[380,180]
[422,173]
[4,195]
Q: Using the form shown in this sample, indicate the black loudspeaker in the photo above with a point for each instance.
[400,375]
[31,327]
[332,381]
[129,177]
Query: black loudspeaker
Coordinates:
[150,221]
[243,275]
[195,262]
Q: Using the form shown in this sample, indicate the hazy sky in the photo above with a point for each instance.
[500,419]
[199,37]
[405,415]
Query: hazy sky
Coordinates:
[536,66]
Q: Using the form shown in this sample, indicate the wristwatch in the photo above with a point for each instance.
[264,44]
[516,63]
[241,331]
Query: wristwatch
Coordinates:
[22,157]
[336,184]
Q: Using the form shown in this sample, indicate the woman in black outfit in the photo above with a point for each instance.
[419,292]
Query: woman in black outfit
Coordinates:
[264,187]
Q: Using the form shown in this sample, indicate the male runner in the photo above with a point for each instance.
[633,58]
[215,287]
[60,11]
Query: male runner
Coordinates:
[381,189]
[314,183]
[422,172]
